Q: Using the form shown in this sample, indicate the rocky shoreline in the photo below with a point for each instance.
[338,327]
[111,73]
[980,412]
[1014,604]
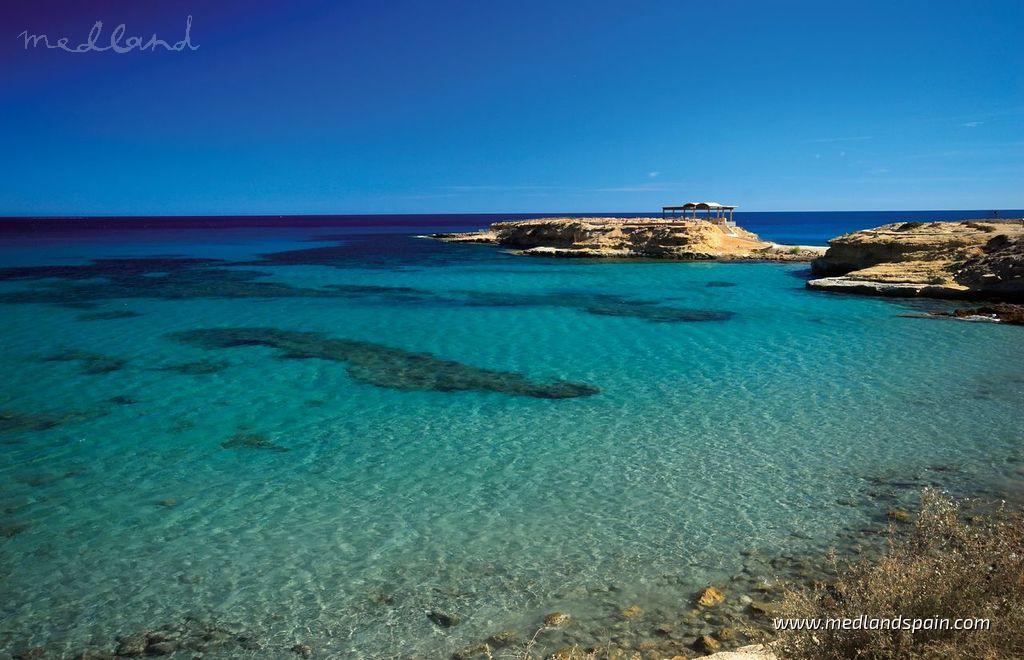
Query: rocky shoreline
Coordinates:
[966,260]
[632,238]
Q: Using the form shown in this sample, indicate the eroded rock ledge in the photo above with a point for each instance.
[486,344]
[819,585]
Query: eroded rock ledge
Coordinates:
[970,259]
[650,238]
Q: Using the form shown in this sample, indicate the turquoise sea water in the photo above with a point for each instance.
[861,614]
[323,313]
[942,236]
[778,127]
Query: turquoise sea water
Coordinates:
[548,435]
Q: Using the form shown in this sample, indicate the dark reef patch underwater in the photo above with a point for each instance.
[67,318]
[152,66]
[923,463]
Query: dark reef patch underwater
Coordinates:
[107,316]
[599,304]
[92,364]
[384,366]
[180,278]
[157,278]
[16,421]
[197,368]
[245,440]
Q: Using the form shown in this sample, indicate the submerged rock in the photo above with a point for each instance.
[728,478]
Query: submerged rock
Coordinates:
[91,363]
[710,597]
[16,420]
[251,441]
[764,608]
[598,304]
[557,620]
[199,368]
[631,612]
[384,366]
[444,619]
[726,634]
[181,425]
[305,650]
[574,652]
[161,648]
[193,636]
[707,644]
[9,530]
[504,638]
[471,652]
[157,278]
[183,279]
[96,654]
[38,479]
[132,645]
[107,316]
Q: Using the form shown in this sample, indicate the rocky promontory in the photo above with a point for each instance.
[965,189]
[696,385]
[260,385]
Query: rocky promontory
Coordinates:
[970,259]
[650,238]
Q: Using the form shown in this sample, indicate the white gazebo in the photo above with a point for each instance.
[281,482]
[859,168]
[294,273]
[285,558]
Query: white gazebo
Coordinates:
[720,214]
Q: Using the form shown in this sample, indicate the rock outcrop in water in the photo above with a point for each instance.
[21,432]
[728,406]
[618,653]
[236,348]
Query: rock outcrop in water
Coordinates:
[651,238]
[968,259]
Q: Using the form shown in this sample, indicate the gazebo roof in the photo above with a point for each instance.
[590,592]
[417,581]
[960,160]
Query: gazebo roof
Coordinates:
[699,205]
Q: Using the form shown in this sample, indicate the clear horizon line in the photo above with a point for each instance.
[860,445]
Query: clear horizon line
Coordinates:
[384,213]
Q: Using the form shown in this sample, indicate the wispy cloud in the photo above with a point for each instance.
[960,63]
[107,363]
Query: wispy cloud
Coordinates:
[972,124]
[858,138]
[653,174]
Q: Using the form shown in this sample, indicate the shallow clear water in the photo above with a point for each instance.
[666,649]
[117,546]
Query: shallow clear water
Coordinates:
[335,499]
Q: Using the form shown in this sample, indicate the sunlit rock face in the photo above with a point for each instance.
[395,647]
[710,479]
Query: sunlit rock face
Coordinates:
[632,237]
[646,238]
[968,259]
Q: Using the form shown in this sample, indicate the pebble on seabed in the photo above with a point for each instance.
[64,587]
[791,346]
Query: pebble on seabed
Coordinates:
[710,597]
[557,620]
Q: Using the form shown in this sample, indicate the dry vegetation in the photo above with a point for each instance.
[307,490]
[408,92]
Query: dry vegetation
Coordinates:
[948,565]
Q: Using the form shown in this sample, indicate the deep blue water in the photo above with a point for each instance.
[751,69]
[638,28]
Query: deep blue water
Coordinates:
[789,227]
[323,427]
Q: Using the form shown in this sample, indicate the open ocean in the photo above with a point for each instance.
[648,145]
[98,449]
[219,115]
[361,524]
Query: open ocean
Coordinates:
[318,429]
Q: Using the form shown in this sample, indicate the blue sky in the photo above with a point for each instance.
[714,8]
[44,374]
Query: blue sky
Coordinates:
[494,106]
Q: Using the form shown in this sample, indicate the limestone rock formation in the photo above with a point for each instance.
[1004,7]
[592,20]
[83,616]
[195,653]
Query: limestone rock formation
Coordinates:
[651,238]
[967,259]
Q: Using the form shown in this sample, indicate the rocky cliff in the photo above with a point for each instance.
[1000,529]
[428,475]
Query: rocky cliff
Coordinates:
[652,238]
[967,259]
